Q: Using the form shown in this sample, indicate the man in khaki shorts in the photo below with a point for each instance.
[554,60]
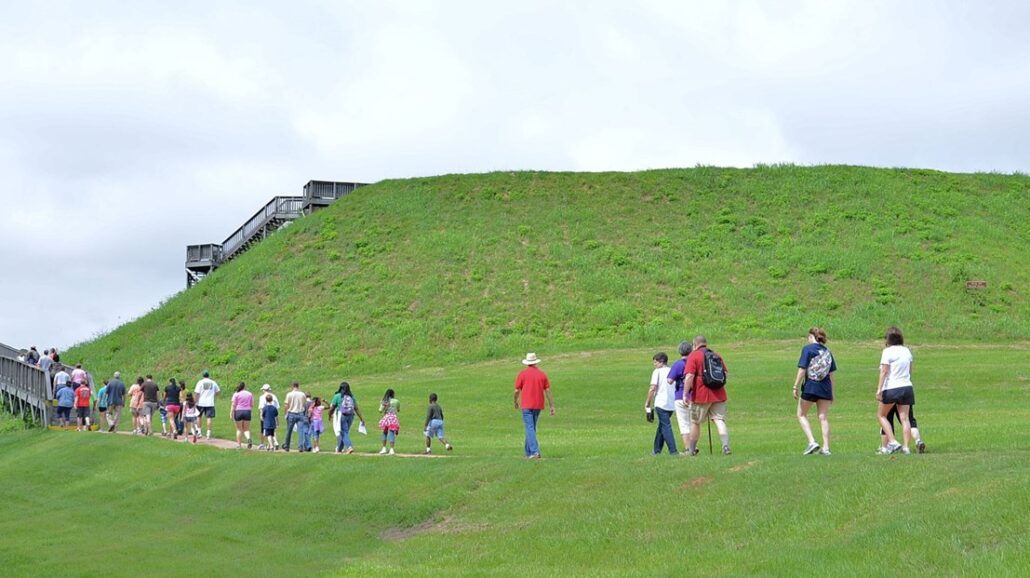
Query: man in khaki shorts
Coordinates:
[707,402]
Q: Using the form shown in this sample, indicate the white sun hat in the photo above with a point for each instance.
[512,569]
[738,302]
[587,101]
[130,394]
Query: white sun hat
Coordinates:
[531,359]
[266,387]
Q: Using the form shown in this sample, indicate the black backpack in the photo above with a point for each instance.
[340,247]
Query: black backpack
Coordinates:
[713,373]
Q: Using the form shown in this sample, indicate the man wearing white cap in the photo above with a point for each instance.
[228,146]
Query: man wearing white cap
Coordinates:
[206,392]
[266,390]
[532,386]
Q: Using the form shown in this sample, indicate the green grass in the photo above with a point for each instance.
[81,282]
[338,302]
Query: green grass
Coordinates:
[598,504]
[462,268]
[441,284]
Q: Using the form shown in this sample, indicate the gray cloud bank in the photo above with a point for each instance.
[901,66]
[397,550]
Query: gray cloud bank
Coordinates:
[130,130]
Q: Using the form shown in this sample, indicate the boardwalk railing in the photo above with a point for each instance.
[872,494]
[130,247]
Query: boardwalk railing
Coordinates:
[323,193]
[278,209]
[203,259]
[25,390]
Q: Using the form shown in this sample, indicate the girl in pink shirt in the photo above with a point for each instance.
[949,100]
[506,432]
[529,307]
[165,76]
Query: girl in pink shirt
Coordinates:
[241,406]
[317,427]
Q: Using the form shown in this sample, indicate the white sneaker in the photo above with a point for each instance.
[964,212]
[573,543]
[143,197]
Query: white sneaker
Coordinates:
[449,447]
[382,451]
[315,451]
[811,449]
[428,451]
[906,451]
[391,451]
[892,447]
[824,452]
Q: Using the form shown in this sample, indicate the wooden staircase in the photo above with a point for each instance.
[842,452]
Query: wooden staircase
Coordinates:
[201,260]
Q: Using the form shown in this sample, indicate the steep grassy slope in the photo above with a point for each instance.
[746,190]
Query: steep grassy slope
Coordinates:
[462,268]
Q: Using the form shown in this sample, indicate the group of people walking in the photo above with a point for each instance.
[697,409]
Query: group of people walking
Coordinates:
[184,412]
[693,389]
[686,390]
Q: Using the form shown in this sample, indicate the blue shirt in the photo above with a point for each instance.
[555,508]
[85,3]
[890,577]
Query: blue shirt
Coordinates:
[677,373]
[822,388]
[115,392]
[65,397]
[268,415]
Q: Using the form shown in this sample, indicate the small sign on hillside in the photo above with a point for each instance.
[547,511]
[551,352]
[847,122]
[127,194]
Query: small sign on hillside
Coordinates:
[976,284]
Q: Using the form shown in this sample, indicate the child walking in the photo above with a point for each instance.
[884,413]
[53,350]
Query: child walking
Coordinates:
[317,426]
[389,424]
[434,425]
[270,421]
[191,415]
[164,420]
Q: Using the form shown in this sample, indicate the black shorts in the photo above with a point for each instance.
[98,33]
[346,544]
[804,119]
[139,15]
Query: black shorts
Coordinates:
[899,395]
[82,412]
[102,409]
[206,411]
[813,397]
[65,412]
[268,432]
[242,415]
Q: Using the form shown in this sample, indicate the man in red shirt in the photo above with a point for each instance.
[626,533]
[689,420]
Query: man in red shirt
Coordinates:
[532,385]
[83,395]
[707,402]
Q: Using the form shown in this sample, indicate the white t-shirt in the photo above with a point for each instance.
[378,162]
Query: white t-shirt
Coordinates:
[665,395]
[262,403]
[899,358]
[205,392]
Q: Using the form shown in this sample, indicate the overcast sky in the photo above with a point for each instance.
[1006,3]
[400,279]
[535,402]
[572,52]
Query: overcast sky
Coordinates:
[131,129]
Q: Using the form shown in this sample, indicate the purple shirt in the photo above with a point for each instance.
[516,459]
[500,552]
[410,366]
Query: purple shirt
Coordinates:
[677,374]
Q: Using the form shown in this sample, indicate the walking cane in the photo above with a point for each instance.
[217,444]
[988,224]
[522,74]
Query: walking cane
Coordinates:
[710,450]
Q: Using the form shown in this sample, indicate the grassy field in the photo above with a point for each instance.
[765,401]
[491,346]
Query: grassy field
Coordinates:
[597,504]
[441,284]
[463,268]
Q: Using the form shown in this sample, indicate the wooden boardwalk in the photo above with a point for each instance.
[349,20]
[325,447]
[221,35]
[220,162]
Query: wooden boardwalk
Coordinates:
[27,390]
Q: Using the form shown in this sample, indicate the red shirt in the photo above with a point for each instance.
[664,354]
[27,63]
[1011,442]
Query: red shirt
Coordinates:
[82,395]
[702,393]
[532,382]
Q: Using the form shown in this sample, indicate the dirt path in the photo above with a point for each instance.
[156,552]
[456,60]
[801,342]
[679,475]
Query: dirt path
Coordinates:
[231,445]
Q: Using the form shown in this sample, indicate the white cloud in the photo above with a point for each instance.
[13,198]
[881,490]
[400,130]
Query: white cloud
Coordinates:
[129,131]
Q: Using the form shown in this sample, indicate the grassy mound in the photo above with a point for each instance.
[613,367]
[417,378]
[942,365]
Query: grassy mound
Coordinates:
[596,505]
[464,268]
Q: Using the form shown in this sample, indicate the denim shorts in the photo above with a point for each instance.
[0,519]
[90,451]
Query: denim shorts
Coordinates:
[435,428]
